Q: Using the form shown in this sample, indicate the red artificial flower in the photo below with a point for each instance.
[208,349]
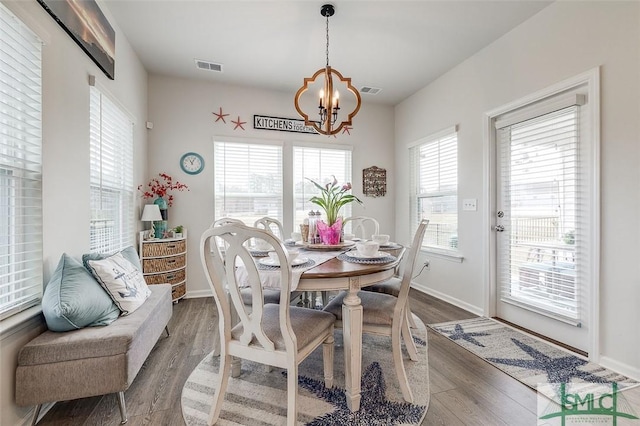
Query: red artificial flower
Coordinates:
[161,187]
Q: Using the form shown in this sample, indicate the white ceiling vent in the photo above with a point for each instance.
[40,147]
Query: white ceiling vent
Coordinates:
[209,66]
[370,90]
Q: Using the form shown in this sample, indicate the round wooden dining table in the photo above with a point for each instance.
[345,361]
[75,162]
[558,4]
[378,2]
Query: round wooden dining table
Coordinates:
[336,274]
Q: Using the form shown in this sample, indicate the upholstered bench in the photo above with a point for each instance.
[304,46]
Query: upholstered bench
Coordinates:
[93,360]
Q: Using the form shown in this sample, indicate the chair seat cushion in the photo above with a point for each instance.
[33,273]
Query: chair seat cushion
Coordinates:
[391,286]
[94,342]
[377,308]
[306,323]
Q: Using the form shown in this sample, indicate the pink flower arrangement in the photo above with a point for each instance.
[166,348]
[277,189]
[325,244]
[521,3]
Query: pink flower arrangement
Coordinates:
[332,198]
[161,187]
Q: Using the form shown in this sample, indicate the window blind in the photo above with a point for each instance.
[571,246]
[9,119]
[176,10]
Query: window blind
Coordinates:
[248,181]
[545,214]
[318,164]
[111,175]
[20,166]
[434,189]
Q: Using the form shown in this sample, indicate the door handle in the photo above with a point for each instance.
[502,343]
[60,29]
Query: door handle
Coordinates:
[499,228]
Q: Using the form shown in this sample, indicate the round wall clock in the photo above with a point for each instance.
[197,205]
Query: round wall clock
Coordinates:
[192,163]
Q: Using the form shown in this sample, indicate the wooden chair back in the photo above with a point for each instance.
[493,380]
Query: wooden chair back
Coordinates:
[225,221]
[223,280]
[360,225]
[409,263]
[272,225]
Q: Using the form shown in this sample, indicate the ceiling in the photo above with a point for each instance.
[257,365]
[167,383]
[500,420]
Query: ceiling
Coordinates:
[397,46]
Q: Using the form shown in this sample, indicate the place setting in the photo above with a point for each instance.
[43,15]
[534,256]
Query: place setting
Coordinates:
[260,248]
[383,240]
[271,261]
[367,252]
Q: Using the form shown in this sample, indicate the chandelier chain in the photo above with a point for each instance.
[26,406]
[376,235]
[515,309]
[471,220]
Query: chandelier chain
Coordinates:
[327,16]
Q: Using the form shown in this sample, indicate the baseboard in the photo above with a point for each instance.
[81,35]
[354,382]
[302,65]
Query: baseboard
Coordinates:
[194,294]
[620,367]
[456,302]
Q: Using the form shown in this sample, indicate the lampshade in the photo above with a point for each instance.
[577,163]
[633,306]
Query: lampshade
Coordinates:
[150,213]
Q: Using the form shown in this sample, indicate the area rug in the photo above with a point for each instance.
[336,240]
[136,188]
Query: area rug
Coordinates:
[259,397]
[528,359]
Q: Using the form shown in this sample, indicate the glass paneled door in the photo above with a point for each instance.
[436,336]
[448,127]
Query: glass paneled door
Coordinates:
[541,226]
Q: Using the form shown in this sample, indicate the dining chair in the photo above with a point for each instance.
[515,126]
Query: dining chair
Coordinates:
[361,224]
[384,314]
[270,295]
[277,335]
[270,224]
[225,221]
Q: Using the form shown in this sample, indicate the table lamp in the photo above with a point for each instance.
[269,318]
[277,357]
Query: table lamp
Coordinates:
[151,213]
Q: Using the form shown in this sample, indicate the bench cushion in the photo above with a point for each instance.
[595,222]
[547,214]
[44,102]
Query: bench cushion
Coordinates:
[93,342]
[92,361]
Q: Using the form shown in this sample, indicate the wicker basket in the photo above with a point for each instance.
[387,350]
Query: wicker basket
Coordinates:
[163,264]
[178,291]
[174,277]
[165,248]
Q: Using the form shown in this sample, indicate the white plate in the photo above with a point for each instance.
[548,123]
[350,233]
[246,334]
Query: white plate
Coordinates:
[357,255]
[274,262]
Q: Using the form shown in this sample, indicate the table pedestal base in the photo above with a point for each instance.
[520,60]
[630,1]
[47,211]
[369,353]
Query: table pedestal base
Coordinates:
[352,332]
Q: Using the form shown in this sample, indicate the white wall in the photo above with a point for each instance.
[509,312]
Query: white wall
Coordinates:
[563,40]
[66,69]
[183,120]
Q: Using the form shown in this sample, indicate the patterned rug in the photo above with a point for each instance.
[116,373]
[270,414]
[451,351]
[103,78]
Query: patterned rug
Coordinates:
[528,359]
[259,397]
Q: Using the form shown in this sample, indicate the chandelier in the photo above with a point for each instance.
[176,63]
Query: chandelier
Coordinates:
[329,102]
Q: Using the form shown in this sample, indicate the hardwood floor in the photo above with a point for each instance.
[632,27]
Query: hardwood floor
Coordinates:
[464,389]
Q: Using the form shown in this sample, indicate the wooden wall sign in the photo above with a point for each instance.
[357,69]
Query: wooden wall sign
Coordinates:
[280,124]
[374,182]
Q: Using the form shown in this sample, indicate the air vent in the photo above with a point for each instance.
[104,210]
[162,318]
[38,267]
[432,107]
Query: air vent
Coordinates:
[209,66]
[370,90]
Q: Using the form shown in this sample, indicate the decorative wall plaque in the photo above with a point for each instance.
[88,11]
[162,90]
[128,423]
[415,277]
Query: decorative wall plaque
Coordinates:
[374,181]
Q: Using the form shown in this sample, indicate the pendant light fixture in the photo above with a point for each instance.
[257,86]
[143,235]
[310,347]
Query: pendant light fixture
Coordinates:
[329,97]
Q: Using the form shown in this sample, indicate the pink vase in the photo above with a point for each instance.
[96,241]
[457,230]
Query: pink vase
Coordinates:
[330,234]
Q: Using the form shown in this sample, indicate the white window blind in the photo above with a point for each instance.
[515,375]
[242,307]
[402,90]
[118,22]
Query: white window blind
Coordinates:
[545,213]
[20,166]
[248,181]
[434,189]
[111,181]
[318,164]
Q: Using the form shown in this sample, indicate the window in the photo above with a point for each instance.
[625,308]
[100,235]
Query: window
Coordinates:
[434,188]
[247,181]
[111,181]
[20,166]
[318,164]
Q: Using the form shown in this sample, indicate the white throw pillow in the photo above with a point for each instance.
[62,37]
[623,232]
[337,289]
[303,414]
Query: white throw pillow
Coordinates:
[122,280]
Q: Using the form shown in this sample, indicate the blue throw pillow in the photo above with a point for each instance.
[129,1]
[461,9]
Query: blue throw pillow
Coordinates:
[73,299]
[129,253]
